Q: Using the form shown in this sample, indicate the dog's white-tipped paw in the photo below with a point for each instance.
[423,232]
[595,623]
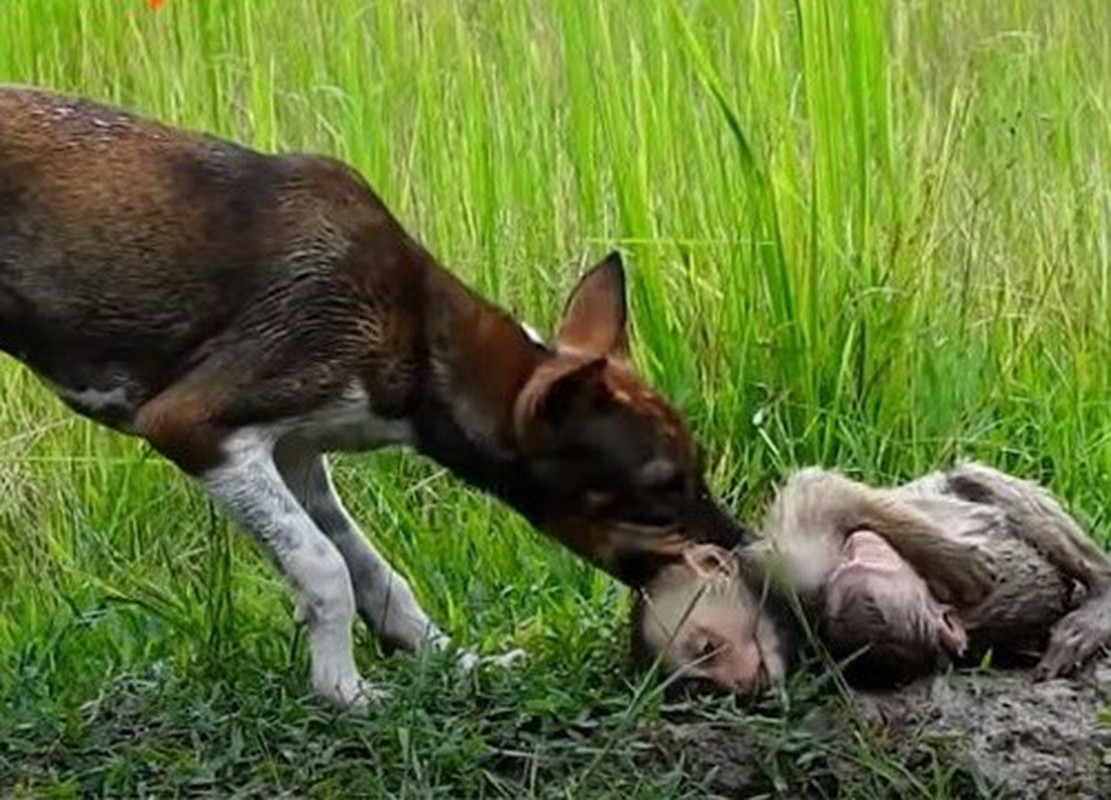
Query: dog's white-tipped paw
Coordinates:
[469,660]
[350,693]
[510,659]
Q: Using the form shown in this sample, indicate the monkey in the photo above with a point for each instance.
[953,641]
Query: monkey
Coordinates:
[700,614]
[891,580]
[702,617]
[1050,597]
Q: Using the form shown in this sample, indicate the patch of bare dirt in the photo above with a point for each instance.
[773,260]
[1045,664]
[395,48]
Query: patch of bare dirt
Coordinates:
[1012,736]
[1048,739]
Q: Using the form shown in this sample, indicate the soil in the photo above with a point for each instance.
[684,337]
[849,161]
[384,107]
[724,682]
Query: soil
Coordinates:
[1014,737]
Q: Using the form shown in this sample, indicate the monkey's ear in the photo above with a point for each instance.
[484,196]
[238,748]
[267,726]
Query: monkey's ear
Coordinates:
[710,561]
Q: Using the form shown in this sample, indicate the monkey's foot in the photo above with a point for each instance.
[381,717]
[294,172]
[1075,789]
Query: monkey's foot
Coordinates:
[1077,638]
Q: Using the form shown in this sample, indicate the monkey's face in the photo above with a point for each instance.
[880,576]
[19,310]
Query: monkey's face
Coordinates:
[702,622]
[875,602]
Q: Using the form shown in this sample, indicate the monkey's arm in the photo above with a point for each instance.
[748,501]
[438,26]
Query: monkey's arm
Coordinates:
[816,510]
[1036,516]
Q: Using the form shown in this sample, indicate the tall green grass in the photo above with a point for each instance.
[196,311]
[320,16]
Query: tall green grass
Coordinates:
[866,234]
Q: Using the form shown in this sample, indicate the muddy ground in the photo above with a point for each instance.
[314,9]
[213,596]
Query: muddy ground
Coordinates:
[1011,736]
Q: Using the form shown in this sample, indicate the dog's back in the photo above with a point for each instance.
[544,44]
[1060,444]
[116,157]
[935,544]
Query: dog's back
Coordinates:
[131,251]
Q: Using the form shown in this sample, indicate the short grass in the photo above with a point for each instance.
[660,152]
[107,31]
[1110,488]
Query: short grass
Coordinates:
[865,234]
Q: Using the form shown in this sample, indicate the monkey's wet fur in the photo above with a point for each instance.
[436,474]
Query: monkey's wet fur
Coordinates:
[893,582]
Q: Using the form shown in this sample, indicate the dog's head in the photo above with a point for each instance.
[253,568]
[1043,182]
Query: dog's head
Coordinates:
[620,472]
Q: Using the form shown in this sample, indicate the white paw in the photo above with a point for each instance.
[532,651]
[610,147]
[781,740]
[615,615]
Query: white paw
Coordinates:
[507,660]
[349,691]
[469,660]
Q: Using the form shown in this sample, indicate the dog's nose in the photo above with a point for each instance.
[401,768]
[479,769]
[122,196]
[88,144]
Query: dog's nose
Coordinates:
[708,522]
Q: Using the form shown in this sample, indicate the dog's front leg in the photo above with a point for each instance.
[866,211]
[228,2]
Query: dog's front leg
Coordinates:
[247,483]
[383,597]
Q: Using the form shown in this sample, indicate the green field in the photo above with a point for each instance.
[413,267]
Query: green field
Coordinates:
[872,235]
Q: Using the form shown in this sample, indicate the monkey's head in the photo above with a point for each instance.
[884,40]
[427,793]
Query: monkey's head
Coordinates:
[702,619]
[875,606]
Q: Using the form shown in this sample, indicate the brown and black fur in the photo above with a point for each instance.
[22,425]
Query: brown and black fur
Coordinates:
[229,287]
[210,289]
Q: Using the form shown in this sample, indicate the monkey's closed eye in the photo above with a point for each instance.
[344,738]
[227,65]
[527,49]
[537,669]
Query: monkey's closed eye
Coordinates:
[707,650]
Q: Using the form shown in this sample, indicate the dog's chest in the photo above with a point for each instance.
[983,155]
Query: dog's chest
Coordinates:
[348,424]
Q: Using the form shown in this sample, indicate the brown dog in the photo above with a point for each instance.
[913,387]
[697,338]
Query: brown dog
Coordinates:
[245,312]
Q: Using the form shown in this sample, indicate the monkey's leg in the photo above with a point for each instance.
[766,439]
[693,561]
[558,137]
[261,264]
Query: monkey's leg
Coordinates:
[1036,516]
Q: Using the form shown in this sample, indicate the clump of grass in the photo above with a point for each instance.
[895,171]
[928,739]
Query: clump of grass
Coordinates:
[870,235]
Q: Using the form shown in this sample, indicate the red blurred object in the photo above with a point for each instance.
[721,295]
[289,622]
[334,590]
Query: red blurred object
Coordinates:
[154,5]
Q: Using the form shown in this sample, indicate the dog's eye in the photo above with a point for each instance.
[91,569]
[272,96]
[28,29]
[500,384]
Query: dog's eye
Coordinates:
[676,486]
[596,500]
[650,516]
[659,475]
[668,494]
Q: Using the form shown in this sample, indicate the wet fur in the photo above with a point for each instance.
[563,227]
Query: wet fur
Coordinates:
[1048,594]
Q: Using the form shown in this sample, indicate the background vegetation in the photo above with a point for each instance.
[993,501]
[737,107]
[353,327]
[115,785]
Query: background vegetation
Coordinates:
[865,234]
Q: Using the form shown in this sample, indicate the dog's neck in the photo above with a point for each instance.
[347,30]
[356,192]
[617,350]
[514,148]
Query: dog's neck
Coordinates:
[476,359]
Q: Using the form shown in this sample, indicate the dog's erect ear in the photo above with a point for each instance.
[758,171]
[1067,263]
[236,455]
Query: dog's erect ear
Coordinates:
[594,319]
[555,391]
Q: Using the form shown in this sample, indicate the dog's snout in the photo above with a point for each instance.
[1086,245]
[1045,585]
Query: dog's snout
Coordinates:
[707,522]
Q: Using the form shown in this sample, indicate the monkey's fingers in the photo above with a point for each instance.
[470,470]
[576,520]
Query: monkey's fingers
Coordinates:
[1077,638]
[966,577]
[952,636]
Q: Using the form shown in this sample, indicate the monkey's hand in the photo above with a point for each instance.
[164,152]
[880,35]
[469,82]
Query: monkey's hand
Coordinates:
[952,638]
[958,573]
[1077,638]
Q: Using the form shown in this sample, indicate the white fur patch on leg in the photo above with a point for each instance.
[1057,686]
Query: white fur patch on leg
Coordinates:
[384,598]
[249,486]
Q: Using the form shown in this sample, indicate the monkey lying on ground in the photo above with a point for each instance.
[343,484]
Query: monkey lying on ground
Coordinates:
[902,579]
